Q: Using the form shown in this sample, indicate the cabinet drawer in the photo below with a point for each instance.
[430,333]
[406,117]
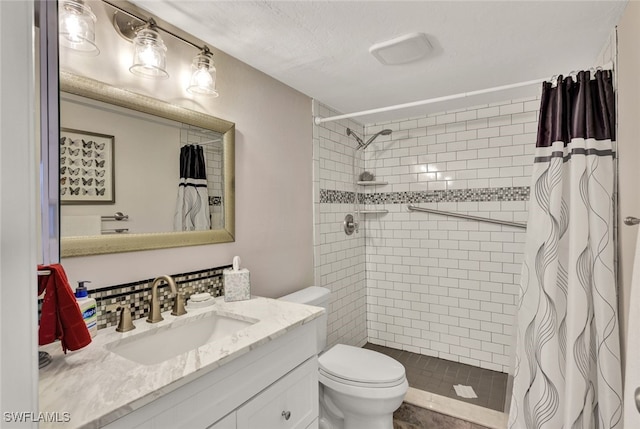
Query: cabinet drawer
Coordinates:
[290,403]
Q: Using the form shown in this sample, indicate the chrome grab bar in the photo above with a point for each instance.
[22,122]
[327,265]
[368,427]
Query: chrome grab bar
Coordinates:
[115,231]
[630,220]
[412,208]
[117,216]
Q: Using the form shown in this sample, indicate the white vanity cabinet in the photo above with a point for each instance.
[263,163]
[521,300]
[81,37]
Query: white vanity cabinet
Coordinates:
[228,422]
[291,402]
[274,386]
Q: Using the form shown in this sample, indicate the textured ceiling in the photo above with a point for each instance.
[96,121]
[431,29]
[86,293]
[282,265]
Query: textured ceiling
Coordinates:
[321,48]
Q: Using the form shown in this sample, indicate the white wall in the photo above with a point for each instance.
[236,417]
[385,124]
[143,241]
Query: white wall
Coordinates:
[274,234]
[437,285]
[18,305]
[628,72]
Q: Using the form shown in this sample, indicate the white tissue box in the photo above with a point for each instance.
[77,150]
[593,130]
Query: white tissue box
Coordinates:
[237,285]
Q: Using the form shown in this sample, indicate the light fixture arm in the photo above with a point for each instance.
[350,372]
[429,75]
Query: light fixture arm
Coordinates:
[149,51]
[127,28]
[206,56]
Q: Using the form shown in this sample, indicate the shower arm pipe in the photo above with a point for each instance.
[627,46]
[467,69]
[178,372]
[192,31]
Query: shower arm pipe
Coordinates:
[318,120]
[412,208]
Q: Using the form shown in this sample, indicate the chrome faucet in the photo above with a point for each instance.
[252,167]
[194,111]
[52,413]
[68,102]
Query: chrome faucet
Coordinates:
[178,303]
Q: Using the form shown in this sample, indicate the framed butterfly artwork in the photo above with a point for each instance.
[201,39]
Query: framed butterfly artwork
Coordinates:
[86,167]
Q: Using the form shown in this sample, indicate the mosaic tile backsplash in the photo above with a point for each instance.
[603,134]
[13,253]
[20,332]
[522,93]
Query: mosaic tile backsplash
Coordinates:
[137,295]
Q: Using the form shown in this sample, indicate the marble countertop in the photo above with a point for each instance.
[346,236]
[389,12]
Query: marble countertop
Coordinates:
[95,386]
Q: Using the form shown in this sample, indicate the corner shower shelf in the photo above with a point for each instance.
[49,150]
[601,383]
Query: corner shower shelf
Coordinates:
[371,183]
[381,211]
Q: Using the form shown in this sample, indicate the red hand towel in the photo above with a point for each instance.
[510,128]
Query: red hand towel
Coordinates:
[61,318]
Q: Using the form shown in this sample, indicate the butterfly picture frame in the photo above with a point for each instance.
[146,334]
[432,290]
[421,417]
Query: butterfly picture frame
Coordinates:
[95,153]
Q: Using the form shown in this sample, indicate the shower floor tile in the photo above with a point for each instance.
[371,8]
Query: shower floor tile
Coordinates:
[438,376]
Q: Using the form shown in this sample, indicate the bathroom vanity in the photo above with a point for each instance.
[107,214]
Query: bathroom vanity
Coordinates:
[254,365]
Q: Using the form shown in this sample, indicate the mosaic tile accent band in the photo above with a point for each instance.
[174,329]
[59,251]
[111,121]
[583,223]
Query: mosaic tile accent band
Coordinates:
[517,193]
[332,196]
[137,295]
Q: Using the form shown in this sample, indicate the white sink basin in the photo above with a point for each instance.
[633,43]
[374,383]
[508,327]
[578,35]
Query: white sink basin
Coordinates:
[180,336]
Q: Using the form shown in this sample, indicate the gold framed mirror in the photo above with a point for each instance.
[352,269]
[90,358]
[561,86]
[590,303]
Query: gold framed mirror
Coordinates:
[82,245]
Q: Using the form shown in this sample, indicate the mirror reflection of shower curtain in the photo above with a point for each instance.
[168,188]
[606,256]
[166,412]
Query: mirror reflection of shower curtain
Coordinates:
[568,371]
[192,204]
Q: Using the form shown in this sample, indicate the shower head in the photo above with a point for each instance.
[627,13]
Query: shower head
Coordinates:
[363,145]
[384,132]
[358,139]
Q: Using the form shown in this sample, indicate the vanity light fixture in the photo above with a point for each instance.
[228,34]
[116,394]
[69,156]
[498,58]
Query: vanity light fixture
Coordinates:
[203,79]
[149,50]
[76,23]
[149,53]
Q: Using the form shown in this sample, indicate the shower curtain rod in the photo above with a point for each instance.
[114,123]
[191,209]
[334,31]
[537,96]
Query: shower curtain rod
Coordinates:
[205,142]
[318,120]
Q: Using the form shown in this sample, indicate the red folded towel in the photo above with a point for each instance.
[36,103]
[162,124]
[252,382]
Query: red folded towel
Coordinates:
[61,318]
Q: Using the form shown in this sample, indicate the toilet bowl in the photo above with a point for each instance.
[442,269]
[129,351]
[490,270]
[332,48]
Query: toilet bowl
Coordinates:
[359,388]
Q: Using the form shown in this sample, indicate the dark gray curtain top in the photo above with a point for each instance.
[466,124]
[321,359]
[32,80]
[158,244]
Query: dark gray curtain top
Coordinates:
[192,162]
[581,108]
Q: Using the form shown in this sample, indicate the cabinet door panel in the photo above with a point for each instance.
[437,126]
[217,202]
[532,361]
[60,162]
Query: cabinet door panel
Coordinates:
[228,422]
[290,403]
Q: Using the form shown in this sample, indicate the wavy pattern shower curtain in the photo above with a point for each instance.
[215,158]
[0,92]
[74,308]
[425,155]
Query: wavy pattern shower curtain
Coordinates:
[192,204]
[567,372]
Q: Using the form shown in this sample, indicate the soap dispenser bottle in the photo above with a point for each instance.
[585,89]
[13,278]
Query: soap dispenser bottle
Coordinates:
[87,308]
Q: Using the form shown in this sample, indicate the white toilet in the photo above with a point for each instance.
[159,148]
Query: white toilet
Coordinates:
[359,388]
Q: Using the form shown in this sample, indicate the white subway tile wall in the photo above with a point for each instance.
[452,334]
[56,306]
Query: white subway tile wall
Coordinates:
[437,285]
[339,259]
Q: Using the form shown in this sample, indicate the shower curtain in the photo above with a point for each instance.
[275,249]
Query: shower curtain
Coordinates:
[192,204]
[567,371]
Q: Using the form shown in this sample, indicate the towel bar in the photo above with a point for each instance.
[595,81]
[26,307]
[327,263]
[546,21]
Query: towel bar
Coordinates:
[117,216]
[115,231]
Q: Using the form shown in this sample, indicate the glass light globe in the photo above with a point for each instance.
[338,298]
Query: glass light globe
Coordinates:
[76,27]
[203,79]
[149,55]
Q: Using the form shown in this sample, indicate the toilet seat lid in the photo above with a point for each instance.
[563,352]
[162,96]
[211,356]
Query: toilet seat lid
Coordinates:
[361,365]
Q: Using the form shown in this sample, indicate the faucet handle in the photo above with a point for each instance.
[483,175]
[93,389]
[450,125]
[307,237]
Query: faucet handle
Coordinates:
[125,324]
[178,305]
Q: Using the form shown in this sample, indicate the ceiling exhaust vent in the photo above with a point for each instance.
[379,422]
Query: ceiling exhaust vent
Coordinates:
[401,50]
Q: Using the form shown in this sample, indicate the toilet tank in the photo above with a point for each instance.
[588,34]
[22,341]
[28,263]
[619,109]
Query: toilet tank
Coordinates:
[319,297]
